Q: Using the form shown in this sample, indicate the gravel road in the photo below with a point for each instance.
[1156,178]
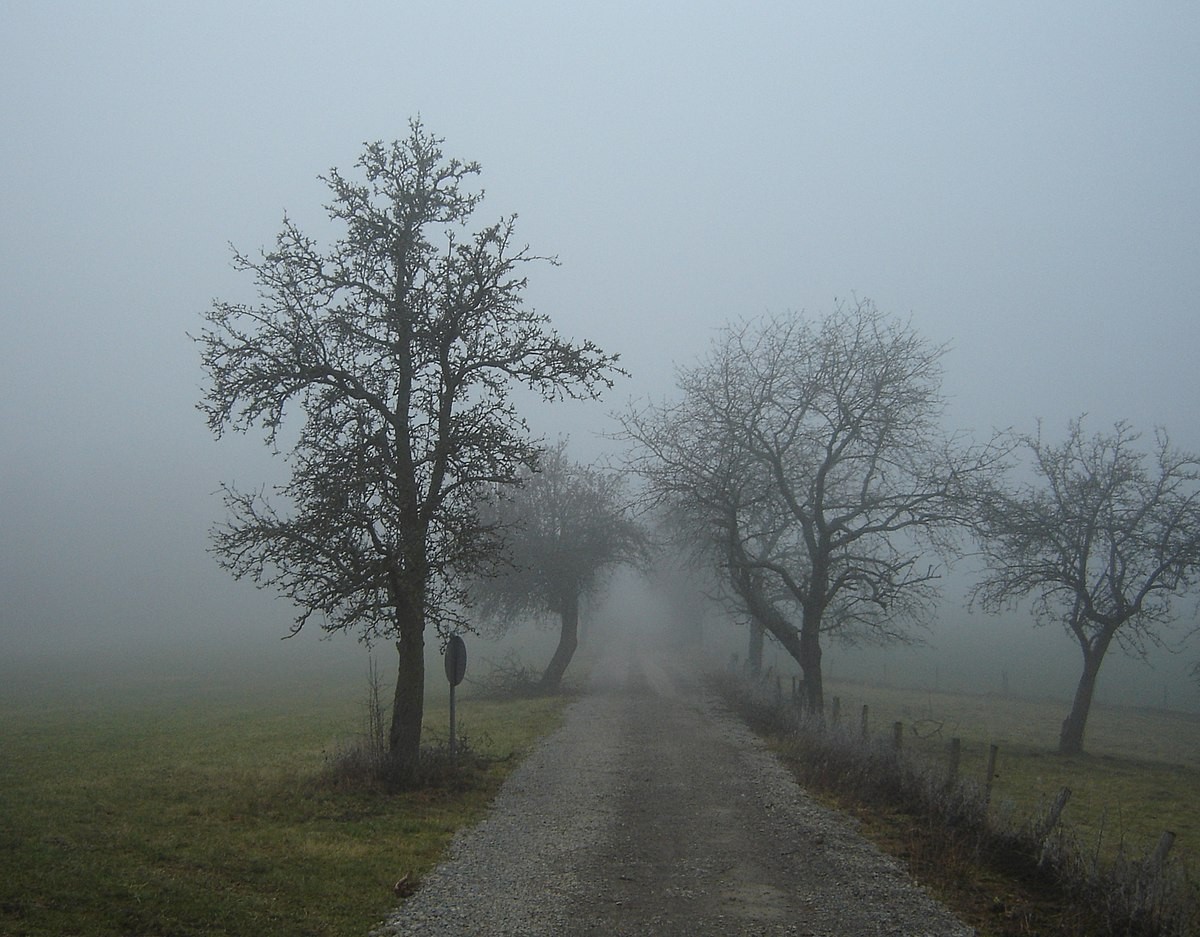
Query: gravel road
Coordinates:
[654,811]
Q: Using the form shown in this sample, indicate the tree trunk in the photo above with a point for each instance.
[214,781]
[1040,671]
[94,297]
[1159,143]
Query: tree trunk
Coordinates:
[1070,742]
[408,705]
[810,663]
[568,641]
[771,619]
[754,653]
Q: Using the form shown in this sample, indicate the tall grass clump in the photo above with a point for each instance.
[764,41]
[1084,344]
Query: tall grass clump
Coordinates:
[949,823]
[364,762]
[363,759]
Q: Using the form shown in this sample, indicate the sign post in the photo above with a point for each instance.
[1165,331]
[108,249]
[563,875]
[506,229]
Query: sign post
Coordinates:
[456,669]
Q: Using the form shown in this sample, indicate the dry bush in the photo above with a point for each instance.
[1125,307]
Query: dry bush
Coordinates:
[507,678]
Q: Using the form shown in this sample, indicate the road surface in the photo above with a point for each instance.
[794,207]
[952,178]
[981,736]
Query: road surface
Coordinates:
[653,811]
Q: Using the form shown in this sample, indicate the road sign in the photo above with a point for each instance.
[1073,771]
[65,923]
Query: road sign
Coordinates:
[456,660]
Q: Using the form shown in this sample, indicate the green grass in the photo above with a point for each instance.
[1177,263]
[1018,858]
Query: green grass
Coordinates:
[192,805]
[1141,774]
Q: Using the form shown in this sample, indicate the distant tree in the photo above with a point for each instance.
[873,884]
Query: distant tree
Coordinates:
[686,596]
[565,527]
[814,454]
[706,494]
[397,345]
[1105,538]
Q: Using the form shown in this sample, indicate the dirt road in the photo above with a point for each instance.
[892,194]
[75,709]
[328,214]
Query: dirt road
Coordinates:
[653,811]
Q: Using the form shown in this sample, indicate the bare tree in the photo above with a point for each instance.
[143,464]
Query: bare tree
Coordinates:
[397,345]
[709,495]
[565,526]
[1105,538]
[814,452]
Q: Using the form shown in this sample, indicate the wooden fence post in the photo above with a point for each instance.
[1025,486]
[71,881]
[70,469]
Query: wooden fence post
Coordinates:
[1150,893]
[1046,827]
[955,758]
[1165,842]
[991,773]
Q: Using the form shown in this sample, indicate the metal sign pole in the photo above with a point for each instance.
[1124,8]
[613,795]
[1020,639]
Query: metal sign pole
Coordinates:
[456,669]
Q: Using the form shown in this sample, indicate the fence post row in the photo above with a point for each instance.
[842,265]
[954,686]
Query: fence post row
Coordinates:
[955,753]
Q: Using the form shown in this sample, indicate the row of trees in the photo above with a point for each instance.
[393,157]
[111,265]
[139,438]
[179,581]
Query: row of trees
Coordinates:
[804,461]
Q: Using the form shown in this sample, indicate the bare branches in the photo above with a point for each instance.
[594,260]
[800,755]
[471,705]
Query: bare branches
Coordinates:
[811,453]
[1105,538]
[392,350]
[564,527]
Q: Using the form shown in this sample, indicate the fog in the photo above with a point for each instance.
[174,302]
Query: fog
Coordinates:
[1022,180]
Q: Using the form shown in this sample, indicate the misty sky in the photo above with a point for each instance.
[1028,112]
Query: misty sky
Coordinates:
[1021,178]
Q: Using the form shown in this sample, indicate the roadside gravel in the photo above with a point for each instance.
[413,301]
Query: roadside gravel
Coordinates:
[654,811]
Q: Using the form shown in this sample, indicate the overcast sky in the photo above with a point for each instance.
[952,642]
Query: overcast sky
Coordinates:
[1021,178]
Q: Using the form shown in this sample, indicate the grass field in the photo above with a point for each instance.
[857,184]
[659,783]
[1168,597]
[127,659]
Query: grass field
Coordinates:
[1141,774]
[154,801]
[165,804]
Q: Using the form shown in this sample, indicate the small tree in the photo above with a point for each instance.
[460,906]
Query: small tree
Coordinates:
[565,526]
[397,346]
[1105,539]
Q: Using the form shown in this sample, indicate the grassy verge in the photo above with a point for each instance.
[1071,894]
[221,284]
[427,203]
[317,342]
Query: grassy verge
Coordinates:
[1003,865]
[172,808]
[1141,775]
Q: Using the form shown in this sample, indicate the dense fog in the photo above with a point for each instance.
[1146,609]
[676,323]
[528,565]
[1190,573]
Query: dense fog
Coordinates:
[1021,182]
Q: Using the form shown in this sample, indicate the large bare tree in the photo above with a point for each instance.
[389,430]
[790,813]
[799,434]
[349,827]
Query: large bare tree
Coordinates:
[814,451]
[393,350]
[1105,537]
[565,527]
